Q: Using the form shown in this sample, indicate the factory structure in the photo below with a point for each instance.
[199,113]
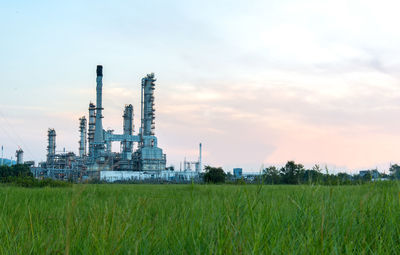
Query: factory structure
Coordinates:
[139,158]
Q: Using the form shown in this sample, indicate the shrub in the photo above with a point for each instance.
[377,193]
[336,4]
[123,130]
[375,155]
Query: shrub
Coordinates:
[30,182]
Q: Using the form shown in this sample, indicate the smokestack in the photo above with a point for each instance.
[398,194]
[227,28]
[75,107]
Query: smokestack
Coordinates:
[99,70]
[98,134]
[83,134]
[200,166]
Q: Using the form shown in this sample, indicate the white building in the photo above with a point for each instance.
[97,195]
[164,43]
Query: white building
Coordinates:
[112,176]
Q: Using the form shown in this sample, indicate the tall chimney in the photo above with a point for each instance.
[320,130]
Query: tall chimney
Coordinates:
[98,134]
[200,166]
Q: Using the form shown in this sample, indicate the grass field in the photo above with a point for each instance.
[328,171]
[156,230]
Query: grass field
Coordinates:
[200,219]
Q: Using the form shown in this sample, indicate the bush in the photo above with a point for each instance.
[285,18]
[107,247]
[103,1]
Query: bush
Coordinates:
[30,182]
[20,175]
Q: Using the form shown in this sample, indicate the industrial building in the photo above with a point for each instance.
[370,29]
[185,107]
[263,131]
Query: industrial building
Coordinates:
[139,157]
[237,173]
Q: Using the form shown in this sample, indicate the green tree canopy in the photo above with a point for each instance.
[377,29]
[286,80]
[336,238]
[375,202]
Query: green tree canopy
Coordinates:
[395,171]
[291,173]
[15,170]
[271,175]
[214,174]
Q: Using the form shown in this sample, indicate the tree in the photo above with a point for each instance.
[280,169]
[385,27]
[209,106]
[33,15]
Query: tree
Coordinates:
[367,176]
[344,178]
[395,171]
[5,171]
[312,176]
[21,170]
[15,171]
[214,174]
[8,173]
[271,175]
[292,172]
[229,176]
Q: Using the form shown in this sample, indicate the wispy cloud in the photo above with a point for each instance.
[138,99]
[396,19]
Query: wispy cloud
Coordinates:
[256,82]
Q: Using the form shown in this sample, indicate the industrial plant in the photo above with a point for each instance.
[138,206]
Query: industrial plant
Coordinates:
[139,158]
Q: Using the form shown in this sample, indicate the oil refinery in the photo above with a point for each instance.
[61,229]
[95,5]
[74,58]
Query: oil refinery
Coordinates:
[139,158]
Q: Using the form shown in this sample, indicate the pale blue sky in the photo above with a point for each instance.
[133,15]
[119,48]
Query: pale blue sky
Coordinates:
[258,82]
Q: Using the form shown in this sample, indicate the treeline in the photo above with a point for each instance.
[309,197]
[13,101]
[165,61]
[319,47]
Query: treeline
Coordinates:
[14,171]
[20,175]
[293,173]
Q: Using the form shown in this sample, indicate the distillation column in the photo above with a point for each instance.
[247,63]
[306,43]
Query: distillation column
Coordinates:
[51,147]
[98,134]
[92,123]
[149,156]
[147,105]
[83,134]
[127,146]
[19,154]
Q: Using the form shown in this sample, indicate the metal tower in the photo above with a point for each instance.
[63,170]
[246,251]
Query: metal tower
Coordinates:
[127,146]
[98,134]
[147,105]
[19,154]
[51,147]
[83,134]
[92,123]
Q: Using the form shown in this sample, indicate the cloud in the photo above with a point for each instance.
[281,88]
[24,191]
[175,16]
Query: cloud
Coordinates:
[256,82]
[350,124]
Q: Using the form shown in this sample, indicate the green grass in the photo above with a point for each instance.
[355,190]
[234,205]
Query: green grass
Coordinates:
[201,219]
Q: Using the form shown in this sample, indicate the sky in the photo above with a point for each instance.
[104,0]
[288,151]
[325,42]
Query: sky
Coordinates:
[257,82]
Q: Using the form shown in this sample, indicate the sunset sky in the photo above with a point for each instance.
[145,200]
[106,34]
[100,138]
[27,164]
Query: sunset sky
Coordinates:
[257,82]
